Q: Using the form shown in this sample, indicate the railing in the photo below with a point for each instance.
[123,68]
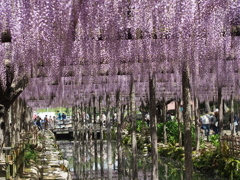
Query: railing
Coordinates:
[16,157]
[233,142]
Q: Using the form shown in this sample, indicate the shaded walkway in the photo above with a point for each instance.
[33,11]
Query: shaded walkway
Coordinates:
[50,164]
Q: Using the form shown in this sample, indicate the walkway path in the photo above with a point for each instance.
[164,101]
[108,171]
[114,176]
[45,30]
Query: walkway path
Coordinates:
[50,163]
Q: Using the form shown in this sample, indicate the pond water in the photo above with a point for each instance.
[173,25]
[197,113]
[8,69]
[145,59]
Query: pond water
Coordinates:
[87,163]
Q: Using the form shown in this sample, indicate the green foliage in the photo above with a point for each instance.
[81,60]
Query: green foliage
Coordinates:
[40,137]
[218,163]
[104,135]
[140,126]
[193,135]
[214,162]
[127,140]
[231,169]
[202,143]
[176,153]
[113,134]
[215,139]
[141,163]
[67,110]
[149,147]
[206,162]
[30,154]
[129,128]
[172,132]
[140,142]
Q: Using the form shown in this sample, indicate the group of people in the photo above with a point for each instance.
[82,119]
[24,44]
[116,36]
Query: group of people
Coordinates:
[209,121]
[61,116]
[48,122]
[45,123]
[169,117]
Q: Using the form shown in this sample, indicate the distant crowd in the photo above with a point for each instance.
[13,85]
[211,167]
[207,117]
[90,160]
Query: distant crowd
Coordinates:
[48,122]
[210,121]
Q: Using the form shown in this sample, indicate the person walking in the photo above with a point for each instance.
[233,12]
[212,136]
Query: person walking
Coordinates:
[64,117]
[42,123]
[38,123]
[50,122]
[206,120]
[214,123]
[235,123]
[59,116]
[147,119]
[46,123]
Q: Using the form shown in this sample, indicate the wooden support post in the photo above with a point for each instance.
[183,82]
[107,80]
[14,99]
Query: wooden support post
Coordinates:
[8,168]
[90,138]
[134,138]
[153,125]
[101,136]
[233,132]
[164,112]
[119,135]
[186,96]
[109,145]
[95,136]
[178,102]
[197,123]
[220,115]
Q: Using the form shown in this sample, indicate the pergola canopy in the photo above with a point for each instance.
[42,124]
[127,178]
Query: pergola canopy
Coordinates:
[73,50]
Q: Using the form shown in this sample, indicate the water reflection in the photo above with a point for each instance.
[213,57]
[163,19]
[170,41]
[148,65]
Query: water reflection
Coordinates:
[90,161]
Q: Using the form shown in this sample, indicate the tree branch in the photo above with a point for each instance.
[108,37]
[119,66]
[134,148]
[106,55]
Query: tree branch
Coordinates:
[13,91]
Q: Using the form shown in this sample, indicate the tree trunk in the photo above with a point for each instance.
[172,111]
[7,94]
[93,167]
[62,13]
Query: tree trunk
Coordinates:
[220,114]
[82,137]
[214,104]
[95,136]
[128,112]
[159,112]
[13,131]
[207,106]
[18,123]
[153,125]
[134,139]
[142,110]
[101,137]
[179,122]
[1,137]
[120,149]
[119,135]
[225,107]
[86,146]
[5,126]
[197,124]
[237,107]
[233,132]
[164,112]
[187,121]
[90,149]
[109,145]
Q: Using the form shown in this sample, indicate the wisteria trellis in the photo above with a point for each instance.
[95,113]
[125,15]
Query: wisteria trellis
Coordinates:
[76,48]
